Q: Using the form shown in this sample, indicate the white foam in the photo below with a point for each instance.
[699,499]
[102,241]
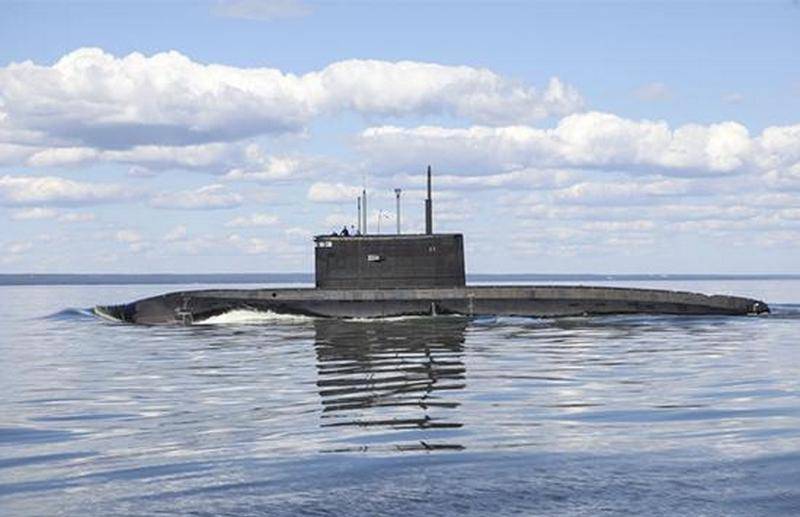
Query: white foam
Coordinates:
[252,317]
[98,311]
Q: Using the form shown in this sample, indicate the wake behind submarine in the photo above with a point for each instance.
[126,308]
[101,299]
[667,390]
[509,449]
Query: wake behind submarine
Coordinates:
[379,275]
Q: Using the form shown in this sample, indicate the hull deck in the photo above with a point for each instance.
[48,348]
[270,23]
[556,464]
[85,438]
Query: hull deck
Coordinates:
[187,307]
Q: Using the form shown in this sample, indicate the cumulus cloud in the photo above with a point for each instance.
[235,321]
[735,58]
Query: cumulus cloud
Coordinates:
[40,214]
[58,156]
[178,233]
[212,156]
[203,156]
[128,236]
[626,192]
[52,190]
[780,148]
[261,167]
[597,212]
[18,247]
[209,197]
[76,217]
[134,240]
[12,153]
[33,214]
[259,246]
[543,178]
[92,99]
[644,230]
[590,140]
[322,192]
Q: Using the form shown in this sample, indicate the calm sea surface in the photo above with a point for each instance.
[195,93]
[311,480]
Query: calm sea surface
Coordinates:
[259,414]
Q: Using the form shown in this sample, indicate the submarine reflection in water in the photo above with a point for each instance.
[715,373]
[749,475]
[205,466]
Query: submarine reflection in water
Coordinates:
[393,382]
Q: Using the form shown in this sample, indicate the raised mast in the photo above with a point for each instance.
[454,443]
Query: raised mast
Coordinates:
[364,211]
[359,215]
[397,192]
[429,207]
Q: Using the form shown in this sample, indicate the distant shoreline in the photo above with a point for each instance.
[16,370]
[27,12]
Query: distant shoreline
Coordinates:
[308,278]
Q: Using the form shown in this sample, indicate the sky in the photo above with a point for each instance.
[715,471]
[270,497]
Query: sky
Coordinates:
[564,137]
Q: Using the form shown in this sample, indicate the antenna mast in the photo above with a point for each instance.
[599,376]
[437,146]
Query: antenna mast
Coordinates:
[429,207]
[364,210]
[359,215]
[397,192]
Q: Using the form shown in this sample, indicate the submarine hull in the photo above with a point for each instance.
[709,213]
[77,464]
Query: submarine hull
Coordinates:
[187,307]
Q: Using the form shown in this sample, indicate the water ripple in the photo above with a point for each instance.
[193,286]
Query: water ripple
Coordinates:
[254,415]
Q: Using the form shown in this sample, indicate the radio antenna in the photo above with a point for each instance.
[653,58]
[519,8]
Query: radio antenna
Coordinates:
[429,207]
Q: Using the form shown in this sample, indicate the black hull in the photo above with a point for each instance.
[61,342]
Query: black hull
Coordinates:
[189,307]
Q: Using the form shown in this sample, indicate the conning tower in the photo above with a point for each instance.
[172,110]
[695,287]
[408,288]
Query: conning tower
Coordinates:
[391,261]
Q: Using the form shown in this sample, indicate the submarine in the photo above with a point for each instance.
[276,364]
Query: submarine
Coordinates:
[387,275]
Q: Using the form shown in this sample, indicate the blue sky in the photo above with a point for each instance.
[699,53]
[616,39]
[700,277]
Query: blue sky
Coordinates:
[602,137]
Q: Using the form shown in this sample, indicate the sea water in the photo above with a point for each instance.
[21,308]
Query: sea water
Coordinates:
[263,414]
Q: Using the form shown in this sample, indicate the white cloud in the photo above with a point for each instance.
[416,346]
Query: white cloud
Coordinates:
[780,239]
[260,167]
[597,213]
[627,192]
[62,156]
[591,140]
[408,87]
[620,226]
[181,242]
[138,171]
[92,99]
[780,146]
[12,153]
[262,9]
[76,217]
[530,178]
[128,236]
[134,239]
[259,246]
[178,233]
[322,192]
[18,247]
[253,221]
[209,197]
[773,200]
[202,156]
[39,213]
[298,233]
[24,190]
[145,158]
[33,214]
